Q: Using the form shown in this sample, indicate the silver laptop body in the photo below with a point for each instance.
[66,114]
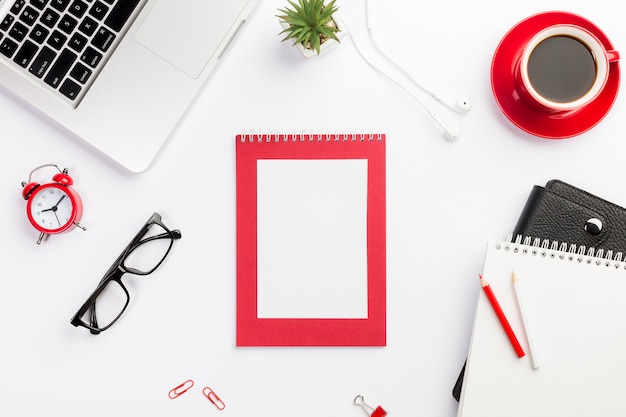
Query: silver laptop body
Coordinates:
[117,73]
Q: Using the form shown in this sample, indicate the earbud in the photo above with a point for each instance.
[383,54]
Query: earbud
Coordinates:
[464,104]
[450,133]
[461,105]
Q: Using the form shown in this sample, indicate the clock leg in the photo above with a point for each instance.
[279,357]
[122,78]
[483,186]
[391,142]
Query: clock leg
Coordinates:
[41,236]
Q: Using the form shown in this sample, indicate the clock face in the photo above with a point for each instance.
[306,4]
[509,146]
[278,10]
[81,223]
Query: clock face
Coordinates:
[51,208]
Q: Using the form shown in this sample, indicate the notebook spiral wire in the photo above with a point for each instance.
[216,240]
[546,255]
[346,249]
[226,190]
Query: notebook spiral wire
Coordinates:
[562,250]
[309,137]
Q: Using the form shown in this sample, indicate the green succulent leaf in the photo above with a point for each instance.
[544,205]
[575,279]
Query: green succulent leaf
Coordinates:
[310,23]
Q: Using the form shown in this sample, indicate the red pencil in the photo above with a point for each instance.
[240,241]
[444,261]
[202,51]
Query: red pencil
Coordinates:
[503,321]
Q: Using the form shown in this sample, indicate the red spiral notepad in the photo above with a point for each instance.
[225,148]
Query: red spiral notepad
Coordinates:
[311,240]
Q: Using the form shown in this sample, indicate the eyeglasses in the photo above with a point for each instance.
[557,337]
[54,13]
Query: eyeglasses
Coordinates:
[143,255]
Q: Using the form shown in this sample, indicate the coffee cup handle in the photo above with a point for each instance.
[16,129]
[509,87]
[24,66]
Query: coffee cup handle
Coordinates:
[612,56]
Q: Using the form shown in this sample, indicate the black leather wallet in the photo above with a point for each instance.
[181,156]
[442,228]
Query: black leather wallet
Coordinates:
[563,213]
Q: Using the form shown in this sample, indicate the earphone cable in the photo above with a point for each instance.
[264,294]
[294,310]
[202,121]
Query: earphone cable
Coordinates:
[449,135]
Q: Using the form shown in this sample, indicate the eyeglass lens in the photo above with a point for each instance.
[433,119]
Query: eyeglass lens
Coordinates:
[108,306]
[148,254]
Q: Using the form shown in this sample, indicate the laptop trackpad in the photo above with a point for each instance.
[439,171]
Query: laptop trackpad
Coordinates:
[187,33]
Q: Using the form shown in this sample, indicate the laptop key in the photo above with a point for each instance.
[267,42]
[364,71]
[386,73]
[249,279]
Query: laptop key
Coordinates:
[57,40]
[78,8]
[88,26]
[6,22]
[18,31]
[60,5]
[103,39]
[25,54]
[49,18]
[60,68]
[42,62]
[99,10]
[39,34]
[70,89]
[40,4]
[80,73]
[120,14]
[8,47]
[77,42]
[91,57]
[29,16]
[17,6]
[67,24]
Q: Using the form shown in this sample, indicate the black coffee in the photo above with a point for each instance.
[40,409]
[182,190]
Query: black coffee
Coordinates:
[561,69]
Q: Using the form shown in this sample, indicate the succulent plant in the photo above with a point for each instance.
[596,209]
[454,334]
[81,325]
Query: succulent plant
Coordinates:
[310,23]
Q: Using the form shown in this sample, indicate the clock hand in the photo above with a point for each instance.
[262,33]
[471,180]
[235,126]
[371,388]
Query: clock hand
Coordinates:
[54,208]
[59,202]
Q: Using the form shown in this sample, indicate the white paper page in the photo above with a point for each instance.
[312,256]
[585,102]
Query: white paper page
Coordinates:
[579,325]
[312,238]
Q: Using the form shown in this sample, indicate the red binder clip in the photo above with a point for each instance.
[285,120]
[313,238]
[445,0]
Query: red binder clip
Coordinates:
[370,411]
[181,389]
[212,396]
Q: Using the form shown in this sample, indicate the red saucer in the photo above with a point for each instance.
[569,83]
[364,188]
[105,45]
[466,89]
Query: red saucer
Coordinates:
[529,118]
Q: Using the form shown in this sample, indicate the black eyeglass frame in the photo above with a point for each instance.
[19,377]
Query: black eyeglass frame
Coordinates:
[117,271]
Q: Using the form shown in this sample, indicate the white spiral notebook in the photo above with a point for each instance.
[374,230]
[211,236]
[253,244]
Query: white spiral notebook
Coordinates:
[576,300]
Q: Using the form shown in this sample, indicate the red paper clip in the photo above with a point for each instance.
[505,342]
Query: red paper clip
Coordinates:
[212,396]
[370,411]
[181,389]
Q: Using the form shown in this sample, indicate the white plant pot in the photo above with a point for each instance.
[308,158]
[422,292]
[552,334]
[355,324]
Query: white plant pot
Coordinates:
[328,44]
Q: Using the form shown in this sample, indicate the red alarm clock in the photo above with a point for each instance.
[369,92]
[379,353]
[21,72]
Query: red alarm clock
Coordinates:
[53,207]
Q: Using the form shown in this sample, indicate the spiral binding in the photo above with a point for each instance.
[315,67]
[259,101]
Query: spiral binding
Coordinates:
[563,251]
[309,137]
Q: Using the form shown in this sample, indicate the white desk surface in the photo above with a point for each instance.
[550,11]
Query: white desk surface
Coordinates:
[444,201]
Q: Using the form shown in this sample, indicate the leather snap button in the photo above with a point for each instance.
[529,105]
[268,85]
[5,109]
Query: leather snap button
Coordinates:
[593,227]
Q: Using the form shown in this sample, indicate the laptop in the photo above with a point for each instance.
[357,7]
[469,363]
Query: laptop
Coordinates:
[118,74]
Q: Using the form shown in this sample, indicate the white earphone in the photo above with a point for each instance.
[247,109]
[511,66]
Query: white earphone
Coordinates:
[450,132]
[460,105]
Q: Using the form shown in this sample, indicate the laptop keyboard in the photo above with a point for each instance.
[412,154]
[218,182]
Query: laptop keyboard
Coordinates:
[63,44]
